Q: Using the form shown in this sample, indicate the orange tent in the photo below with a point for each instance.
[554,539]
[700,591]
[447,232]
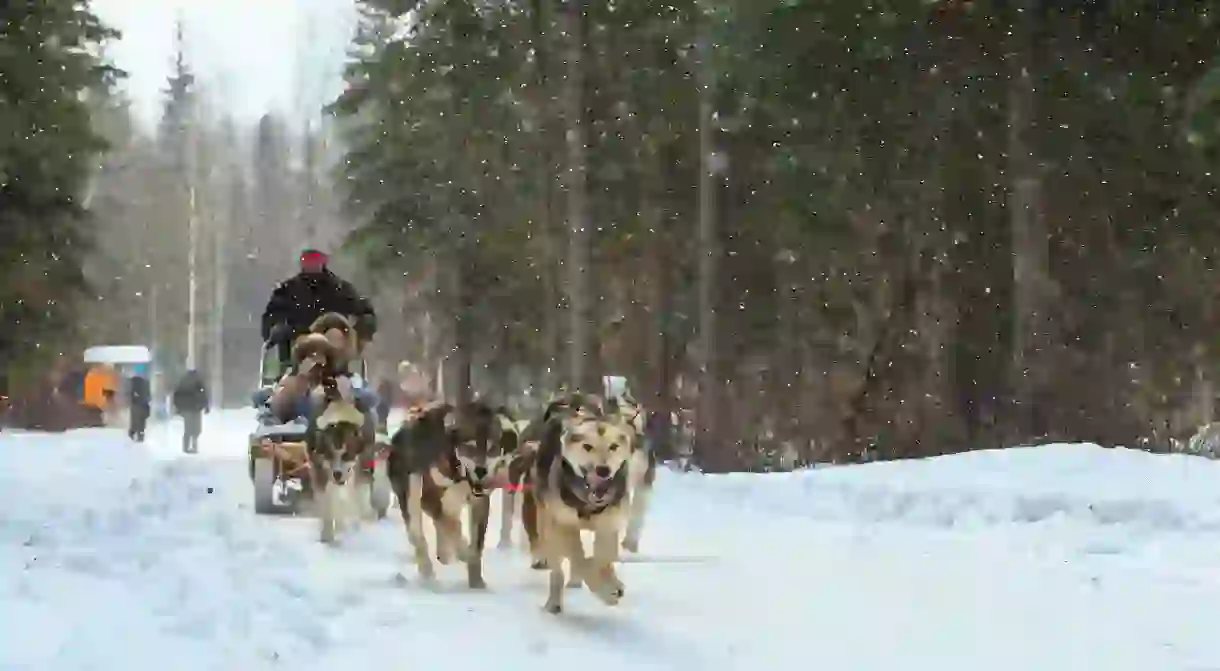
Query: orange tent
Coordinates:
[98,381]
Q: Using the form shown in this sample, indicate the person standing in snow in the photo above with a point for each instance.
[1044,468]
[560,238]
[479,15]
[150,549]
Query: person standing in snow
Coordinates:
[139,397]
[191,401]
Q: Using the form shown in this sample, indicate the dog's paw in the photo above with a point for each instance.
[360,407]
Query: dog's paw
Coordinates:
[607,587]
[444,553]
[539,565]
[553,608]
[505,544]
[609,594]
[631,544]
[477,582]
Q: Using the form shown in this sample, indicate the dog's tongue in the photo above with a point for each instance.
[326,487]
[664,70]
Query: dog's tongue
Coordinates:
[599,486]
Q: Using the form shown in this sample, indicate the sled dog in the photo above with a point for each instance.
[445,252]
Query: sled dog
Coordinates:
[579,478]
[336,447]
[441,461]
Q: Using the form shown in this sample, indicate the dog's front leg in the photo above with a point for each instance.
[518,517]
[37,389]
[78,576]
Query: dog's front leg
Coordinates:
[577,563]
[601,577]
[508,507]
[347,518]
[449,537]
[326,510]
[530,520]
[480,514]
[574,551]
[369,483]
[450,542]
[554,542]
[413,514]
[364,499]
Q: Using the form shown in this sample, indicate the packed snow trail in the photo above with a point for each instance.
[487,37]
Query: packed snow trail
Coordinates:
[122,556]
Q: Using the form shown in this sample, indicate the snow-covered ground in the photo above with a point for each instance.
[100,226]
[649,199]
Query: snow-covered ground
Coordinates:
[115,556]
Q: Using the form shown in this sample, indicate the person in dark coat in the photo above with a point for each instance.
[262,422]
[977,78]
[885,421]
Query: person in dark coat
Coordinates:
[315,290]
[191,401]
[139,397]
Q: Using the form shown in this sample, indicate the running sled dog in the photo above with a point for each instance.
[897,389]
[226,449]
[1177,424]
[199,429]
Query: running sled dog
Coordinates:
[580,480]
[441,461]
[642,466]
[336,441]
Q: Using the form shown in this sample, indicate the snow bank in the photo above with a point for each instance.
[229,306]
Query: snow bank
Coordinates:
[1059,482]
[120,556]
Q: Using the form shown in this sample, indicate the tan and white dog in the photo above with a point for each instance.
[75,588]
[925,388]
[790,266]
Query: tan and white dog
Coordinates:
[580,482]
[441,461]
[337,447]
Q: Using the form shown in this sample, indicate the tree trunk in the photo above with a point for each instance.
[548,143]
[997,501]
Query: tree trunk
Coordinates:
[581,373]
[714,451]
[463,339]
[1030,340]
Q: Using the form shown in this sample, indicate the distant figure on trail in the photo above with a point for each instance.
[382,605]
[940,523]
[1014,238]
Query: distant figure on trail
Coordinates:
[302,298]
[139,397]
[191,401]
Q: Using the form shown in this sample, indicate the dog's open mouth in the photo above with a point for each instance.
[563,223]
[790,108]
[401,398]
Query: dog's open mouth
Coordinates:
[599,489]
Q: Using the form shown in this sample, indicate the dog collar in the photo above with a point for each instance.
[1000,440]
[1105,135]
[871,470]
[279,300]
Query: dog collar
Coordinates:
[571,482]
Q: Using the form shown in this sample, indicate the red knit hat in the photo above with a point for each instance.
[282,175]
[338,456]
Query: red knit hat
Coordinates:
[313,261]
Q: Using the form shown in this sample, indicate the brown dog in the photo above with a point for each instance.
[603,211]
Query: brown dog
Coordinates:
[441,461]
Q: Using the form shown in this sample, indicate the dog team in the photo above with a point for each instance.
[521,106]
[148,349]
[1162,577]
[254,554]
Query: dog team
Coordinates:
[582,465]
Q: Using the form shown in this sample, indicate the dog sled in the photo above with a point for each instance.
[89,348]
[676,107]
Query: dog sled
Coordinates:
[279,462]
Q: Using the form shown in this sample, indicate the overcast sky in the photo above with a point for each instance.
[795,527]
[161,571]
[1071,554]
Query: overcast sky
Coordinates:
[258,54]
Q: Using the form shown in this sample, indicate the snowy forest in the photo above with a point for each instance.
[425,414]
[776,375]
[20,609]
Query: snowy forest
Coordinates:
[837,231]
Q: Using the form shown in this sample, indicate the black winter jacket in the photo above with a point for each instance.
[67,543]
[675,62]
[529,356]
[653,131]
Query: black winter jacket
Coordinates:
[301,299]
[139,393]
[191,395]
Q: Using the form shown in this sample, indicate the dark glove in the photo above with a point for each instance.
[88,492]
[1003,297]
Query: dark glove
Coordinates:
[279,333]
[366,326]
